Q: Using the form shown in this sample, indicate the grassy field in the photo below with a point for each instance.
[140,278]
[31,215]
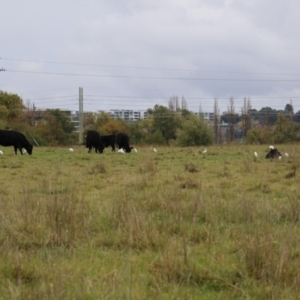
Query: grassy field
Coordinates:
[175,224]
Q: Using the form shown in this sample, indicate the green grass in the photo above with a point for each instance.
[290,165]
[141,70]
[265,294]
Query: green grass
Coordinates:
[176,224]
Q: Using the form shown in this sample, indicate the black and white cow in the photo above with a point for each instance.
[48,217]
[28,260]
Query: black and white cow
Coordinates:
[16,139]
[123,142]
[93,140]
[109,140]
[273,153]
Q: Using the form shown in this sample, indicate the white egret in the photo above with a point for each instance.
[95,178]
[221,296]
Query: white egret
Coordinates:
[286,154]
[121,151]
[1,152]
[71,150]
[154,150]
[255,154]
[279,157]
[204,151]
[135,150]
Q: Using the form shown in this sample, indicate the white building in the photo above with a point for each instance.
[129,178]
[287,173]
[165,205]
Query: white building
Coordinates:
[128,115]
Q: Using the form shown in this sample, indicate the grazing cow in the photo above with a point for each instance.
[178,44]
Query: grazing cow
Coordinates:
[16,139]
[123,142]
[109,140]
[93,139]
[273,153]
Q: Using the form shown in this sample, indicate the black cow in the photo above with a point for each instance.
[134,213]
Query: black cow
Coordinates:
[123,142]
[16,139]
[273,153]
[109,140]
[93,139]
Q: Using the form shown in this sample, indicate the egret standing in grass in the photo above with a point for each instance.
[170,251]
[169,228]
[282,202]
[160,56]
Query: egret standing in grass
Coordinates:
[121,151]
[154,150]
[255,154]
[1,152]
[286,154]
[135,150]
[71,150]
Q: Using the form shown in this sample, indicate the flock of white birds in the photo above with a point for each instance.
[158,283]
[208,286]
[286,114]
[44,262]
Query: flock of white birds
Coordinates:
[119,151]
[271,147]
[154,150]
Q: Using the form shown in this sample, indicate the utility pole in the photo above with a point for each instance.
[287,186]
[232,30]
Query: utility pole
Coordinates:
[80,115]
[33,114]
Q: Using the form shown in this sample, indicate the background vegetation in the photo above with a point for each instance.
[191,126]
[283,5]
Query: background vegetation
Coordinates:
[172,125]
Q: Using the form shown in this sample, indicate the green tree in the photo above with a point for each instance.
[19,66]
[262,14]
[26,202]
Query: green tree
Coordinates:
[194,132]
[165,121]
[11,107]
[55,129]
[286,130]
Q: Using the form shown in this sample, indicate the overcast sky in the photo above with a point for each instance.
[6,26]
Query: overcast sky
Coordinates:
[133,54]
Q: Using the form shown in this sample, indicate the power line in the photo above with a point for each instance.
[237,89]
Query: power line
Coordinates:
[146,68]
[156,77]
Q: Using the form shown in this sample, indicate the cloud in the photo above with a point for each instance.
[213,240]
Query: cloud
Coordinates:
[244,40]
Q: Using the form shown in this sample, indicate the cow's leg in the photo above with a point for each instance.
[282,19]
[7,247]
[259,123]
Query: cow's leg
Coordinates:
[16,150]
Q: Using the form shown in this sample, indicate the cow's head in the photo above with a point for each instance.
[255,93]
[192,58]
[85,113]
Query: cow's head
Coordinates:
[29,149]
[128,150]
[101,148]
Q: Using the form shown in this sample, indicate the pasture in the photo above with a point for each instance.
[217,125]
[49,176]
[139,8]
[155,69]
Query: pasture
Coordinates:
[176,224]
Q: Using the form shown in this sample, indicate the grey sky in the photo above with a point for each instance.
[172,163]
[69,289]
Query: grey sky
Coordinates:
[134,54]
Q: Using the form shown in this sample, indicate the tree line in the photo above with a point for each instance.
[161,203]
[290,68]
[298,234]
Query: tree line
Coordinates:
[172,125]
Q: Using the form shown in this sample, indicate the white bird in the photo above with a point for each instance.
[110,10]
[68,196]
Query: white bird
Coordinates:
[135,150]
[121,151]
[279,157]
[24,151]
[286,154]
[1,152]
[255,154]
[204,151]
[271,147]
[71,149]
[154,150]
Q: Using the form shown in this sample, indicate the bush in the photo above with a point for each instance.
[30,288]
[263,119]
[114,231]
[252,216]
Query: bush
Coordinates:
[194,132]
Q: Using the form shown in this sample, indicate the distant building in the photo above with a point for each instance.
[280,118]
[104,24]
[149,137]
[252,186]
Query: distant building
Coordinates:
[128,115]
[206,116]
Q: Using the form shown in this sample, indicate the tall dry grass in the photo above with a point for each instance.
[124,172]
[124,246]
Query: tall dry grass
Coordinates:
[146,225]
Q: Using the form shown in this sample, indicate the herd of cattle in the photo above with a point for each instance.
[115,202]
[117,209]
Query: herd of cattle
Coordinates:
[99,142]
[93,140]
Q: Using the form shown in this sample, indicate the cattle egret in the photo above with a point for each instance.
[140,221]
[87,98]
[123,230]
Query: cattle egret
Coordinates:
[279,157]
[121,151]
[286,154]
[154,150]
[255,154]
[71,149]
[204,151]
[1,152]
[135,150]
[271,147]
